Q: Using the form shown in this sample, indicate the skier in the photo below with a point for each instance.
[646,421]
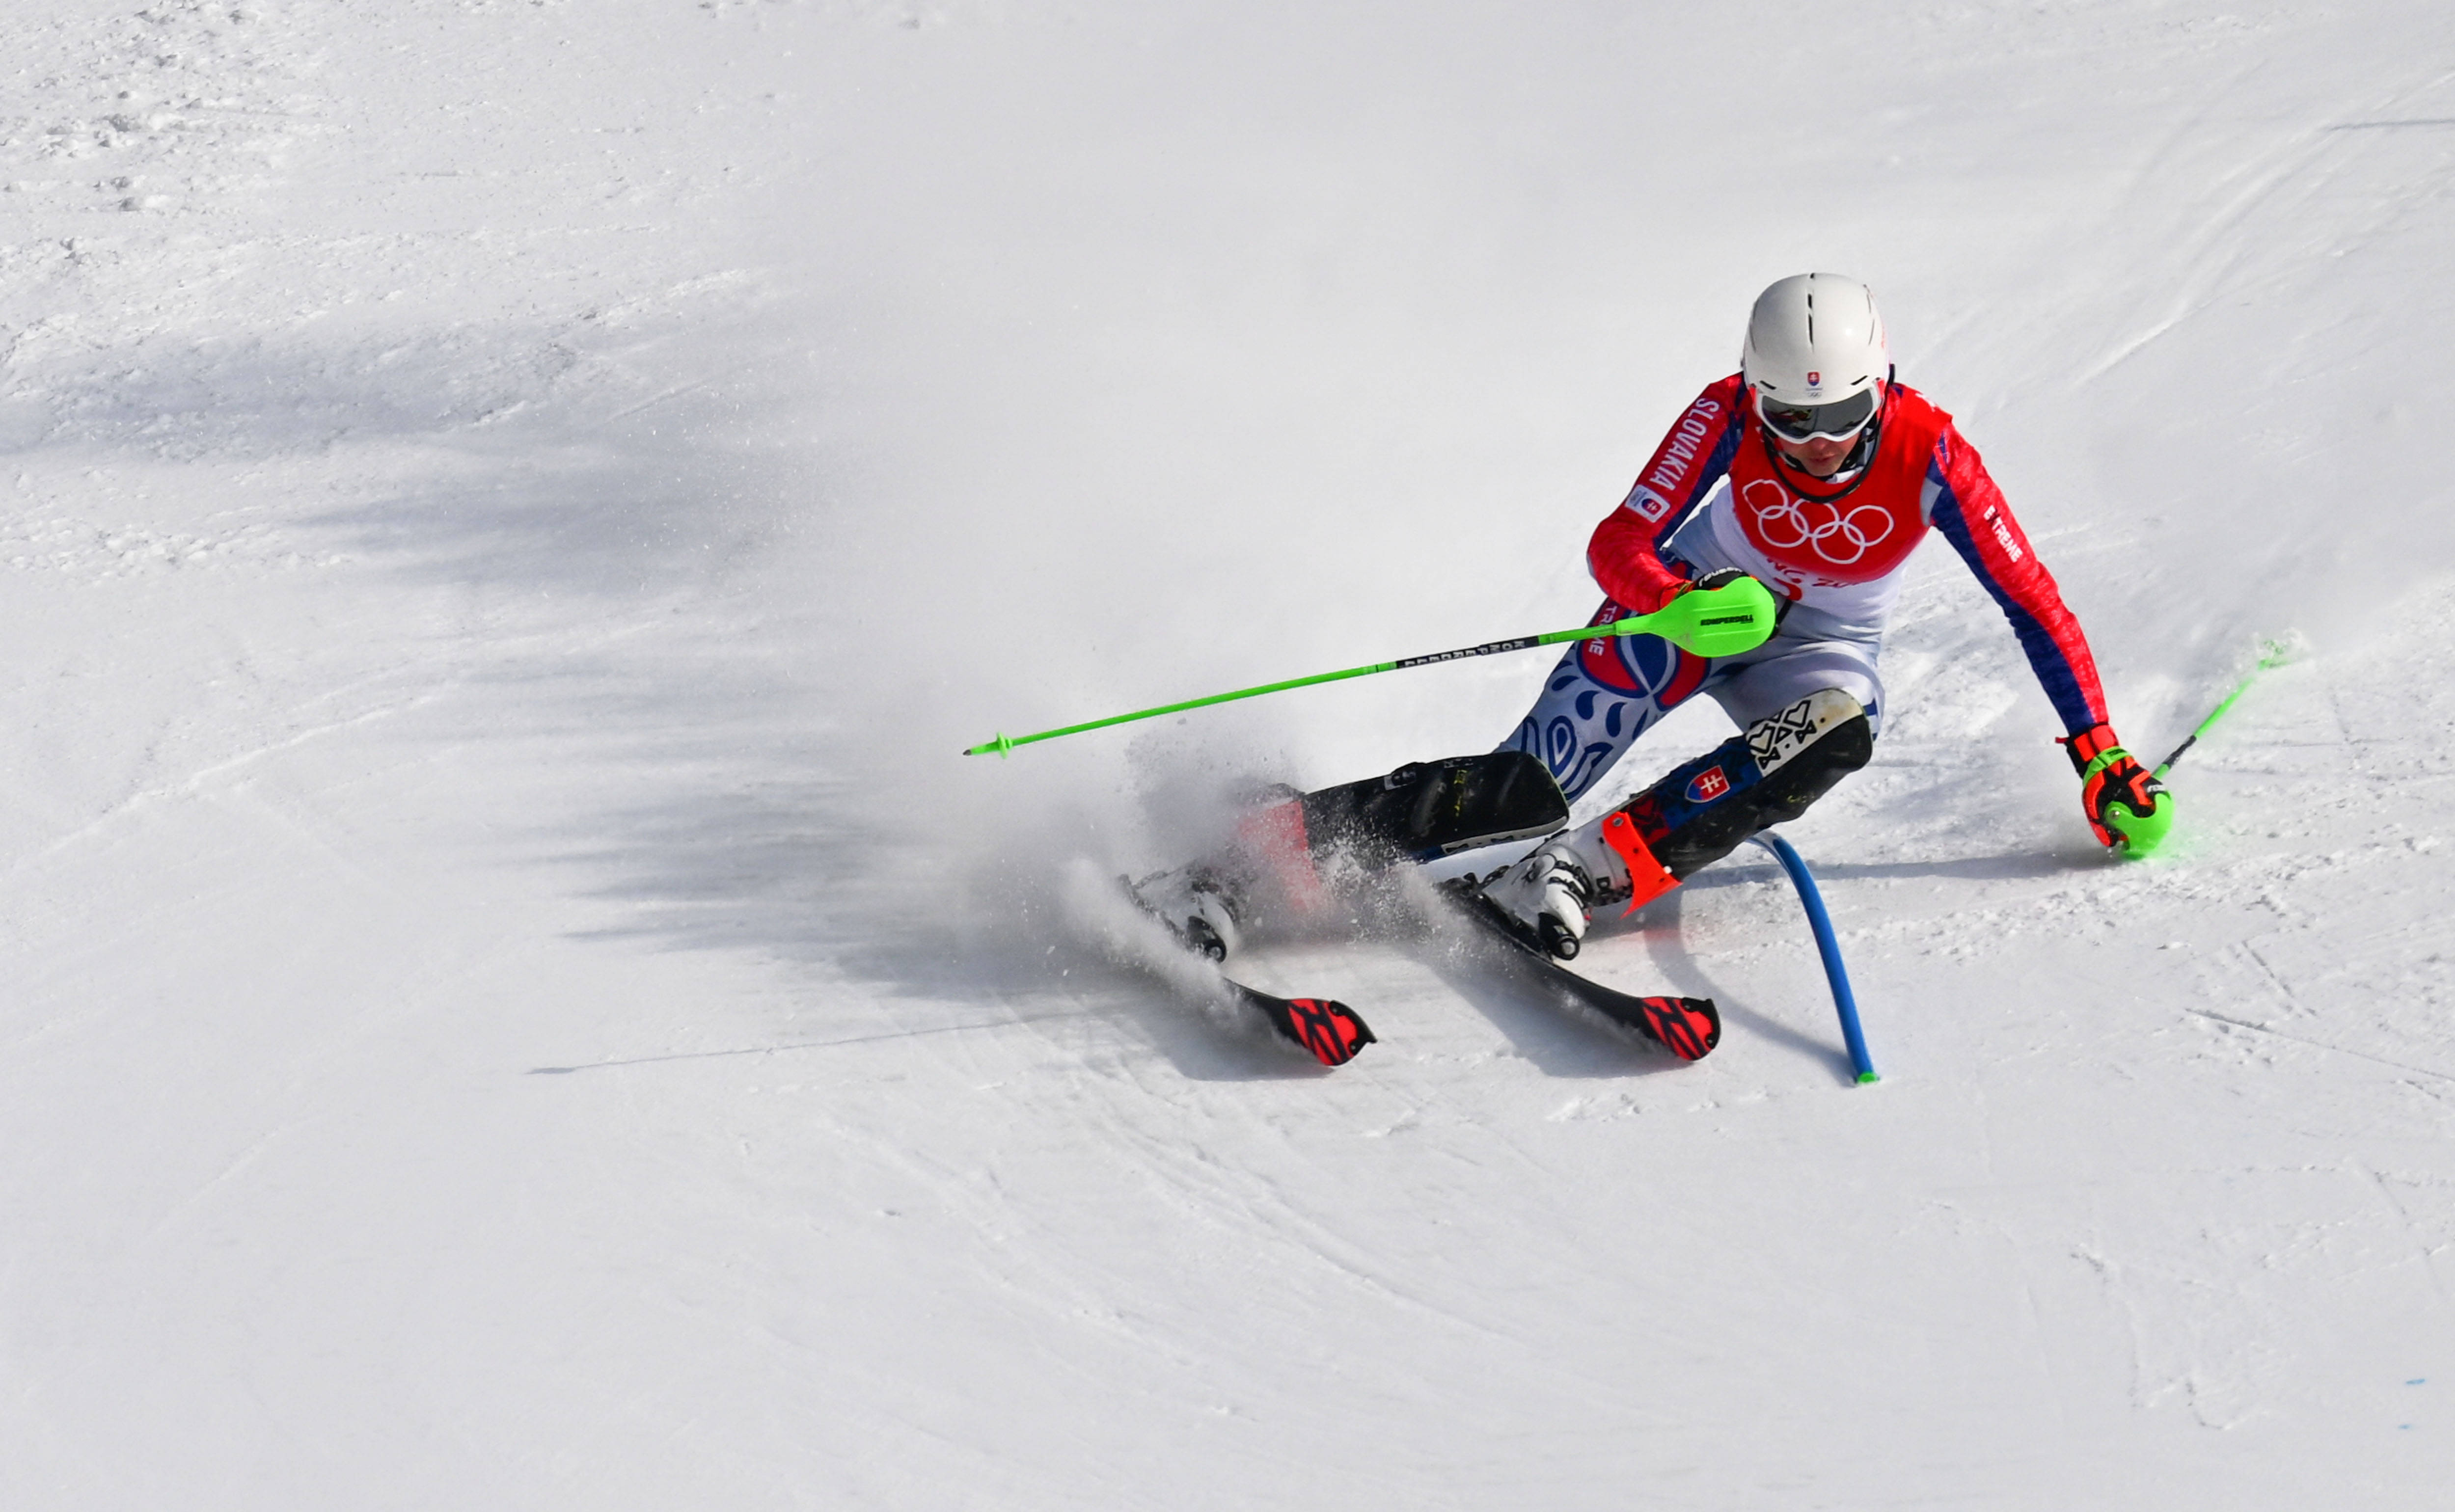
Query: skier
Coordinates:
[1813,471]
[1809,470]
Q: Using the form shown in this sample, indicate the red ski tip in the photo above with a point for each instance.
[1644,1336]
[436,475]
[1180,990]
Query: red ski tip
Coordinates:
[1688,1027]
[1331,1030]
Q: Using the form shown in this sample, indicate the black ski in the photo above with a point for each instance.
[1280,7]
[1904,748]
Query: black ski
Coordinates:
[1333,1031]
[1330,1031]
[1688,1027]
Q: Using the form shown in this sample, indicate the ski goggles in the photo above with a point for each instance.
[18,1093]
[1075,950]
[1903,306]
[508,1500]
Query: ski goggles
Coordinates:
[1838,421]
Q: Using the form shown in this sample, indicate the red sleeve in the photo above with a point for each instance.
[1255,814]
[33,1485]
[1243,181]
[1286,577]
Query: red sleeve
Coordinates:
[1970,511]
[1625,554]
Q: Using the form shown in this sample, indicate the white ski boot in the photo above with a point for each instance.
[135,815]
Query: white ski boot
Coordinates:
[1197,905]
[1551,889]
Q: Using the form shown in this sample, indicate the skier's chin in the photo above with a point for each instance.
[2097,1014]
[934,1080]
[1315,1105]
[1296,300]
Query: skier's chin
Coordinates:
[1817,460]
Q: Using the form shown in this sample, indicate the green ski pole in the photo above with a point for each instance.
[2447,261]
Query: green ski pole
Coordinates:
[2275,655]
[2142,834]
[1715,622]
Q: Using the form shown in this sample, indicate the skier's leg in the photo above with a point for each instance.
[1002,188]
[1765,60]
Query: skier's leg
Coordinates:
[1701,811]
[1294,851]
[1783,759]
[1602,696]
[1763,683]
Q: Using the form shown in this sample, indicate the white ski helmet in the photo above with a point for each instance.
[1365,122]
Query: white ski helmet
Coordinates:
[1815,339]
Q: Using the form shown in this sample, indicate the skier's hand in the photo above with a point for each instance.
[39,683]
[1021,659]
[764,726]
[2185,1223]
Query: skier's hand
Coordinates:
[1720,577]
[2126,806]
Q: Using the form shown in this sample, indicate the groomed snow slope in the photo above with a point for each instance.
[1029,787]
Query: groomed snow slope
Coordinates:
[511,999]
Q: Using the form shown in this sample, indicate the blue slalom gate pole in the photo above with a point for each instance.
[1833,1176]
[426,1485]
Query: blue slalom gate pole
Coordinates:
[1826,946]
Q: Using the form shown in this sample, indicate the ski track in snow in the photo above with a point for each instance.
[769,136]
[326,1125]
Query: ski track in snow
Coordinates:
[513,506]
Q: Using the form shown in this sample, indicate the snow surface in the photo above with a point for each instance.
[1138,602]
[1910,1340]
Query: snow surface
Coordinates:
[511,998]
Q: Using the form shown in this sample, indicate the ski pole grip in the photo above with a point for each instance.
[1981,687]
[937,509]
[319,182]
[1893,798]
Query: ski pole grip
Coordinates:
[1708,621]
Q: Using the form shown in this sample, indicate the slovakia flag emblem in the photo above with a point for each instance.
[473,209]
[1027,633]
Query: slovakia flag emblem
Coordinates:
[1815,381]
[1707,785]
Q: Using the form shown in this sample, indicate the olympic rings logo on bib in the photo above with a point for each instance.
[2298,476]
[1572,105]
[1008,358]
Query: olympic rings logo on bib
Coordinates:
[1787,523]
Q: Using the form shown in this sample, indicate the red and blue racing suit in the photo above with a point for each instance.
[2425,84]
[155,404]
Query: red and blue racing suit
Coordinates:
[1715,494]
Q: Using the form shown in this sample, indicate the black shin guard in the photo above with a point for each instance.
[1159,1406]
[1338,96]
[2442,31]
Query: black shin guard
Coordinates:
[1430,809]
[1297,852]
[1702,810]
